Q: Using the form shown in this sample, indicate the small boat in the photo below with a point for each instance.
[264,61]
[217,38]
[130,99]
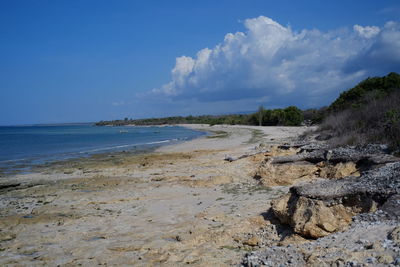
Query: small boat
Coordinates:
[123,131]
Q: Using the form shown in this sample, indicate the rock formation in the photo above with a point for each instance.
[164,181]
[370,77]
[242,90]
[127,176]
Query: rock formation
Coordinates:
[359,199]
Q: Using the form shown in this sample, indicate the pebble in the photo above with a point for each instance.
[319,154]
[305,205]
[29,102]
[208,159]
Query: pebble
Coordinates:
[371,260]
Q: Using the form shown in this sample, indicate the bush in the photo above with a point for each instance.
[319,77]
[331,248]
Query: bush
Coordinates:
[315,116]
[293,116]
[377,121]
[290,116]
[370,88]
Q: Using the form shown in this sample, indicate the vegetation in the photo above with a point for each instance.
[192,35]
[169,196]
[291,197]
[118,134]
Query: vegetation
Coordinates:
[366,91]
[315,116]
[369,112]
[290,116]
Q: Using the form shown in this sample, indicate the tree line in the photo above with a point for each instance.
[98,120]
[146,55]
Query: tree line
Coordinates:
[368,112]
[290,116]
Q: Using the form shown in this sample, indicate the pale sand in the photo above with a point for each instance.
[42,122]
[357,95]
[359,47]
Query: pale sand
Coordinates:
[181,205]
[240,137]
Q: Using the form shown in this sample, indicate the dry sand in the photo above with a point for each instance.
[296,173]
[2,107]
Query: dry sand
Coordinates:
[183,204]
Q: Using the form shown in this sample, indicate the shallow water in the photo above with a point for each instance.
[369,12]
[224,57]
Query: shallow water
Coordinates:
[24,146]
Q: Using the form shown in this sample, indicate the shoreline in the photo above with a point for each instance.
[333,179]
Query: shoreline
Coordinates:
[236,141]
[22,167]
[179,204]
[32,164]
[241,136]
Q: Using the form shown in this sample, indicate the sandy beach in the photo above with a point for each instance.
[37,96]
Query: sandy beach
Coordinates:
[182,204]
[200,133]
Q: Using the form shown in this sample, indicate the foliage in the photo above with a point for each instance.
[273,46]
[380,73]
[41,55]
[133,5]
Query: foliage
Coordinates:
[290,116]
[369,112]
[315,116]
[365,91]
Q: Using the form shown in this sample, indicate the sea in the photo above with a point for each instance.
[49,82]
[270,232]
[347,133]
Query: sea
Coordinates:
[22,147]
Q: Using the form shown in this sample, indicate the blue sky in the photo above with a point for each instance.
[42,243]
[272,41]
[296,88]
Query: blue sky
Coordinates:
[77,61]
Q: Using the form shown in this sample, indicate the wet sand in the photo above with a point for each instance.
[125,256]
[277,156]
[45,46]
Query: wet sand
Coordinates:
[181,204]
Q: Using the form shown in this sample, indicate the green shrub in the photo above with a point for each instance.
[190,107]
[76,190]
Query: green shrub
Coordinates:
[293,116]
[376,121]
[315,116]
[365,91]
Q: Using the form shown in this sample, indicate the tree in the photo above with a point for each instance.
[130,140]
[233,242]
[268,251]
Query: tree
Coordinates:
[277,117]
[260,114]
[293,116]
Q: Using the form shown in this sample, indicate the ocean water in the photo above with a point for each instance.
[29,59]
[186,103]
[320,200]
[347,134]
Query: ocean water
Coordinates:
[24,146]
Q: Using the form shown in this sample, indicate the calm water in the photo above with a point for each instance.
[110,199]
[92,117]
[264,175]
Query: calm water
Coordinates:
[29,145]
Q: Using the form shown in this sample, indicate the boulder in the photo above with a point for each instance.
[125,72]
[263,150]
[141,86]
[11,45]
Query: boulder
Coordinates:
[317,209]
[311,218]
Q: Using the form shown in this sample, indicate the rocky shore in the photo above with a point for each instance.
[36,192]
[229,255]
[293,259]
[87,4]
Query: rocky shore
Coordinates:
[244,196]
[351,219]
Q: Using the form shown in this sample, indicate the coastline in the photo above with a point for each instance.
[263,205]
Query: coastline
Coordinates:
[33,163]
[240,137]
[179,204]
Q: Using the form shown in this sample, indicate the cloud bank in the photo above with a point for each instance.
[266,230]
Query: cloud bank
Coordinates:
[272,64]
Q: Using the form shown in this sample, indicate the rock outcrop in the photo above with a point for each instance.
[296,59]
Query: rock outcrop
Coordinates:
[344,201]
[317,161]
[311,218]
[366,208]
[368,154]
[370,241]
[317,209]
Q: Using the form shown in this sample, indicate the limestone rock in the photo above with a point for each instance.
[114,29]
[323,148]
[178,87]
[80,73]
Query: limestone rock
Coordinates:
[339,170]
[285,174]
[317,209]
[311,218]
[371,153]
[385,259]
[395,235]
[253,241]
[383,182]
[392,206]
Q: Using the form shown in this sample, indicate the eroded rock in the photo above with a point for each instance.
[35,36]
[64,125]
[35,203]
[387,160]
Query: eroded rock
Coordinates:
[311,218]
[253,241]
[395,236]
[285,174]
[309,162]
[338,171]
[378,183]
[349,219]
[365,243]
[318,209]
[270,174]
[368,154]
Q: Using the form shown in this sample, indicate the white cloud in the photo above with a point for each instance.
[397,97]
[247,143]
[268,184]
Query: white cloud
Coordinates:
[366,32]
[272,62]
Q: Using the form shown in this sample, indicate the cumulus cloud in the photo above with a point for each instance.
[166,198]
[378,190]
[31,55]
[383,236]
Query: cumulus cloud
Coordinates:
[273,64]
[383,53]
[366,32]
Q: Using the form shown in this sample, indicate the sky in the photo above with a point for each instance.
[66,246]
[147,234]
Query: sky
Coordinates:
[85,61]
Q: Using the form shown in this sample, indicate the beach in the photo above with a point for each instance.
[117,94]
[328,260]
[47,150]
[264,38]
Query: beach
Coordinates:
[200,133]
[181,204]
